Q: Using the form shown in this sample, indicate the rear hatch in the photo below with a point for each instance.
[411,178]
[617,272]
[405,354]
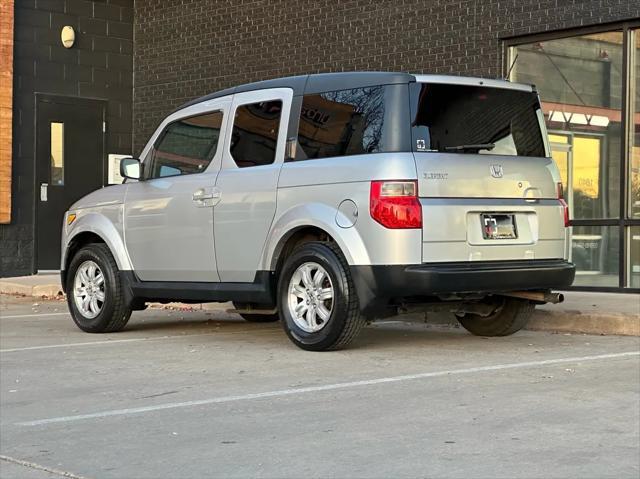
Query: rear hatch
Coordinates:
[488,189]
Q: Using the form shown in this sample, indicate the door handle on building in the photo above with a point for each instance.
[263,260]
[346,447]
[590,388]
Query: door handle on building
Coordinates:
[44,188]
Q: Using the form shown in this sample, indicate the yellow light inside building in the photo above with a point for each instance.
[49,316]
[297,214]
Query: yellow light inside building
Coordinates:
[586,165]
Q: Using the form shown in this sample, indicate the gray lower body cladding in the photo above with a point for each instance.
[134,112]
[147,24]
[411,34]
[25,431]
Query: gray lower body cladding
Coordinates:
[382,282]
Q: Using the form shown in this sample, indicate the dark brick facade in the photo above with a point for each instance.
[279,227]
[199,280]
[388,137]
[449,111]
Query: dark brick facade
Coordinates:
[98,66]
[188,48]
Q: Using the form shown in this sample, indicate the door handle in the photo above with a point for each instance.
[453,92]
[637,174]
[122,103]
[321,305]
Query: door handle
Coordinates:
[202,195]
[203,198]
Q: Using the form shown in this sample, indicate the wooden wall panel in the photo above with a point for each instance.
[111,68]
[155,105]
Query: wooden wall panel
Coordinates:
[6,105]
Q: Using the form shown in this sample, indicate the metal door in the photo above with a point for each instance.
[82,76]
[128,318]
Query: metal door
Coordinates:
[169,220]
[247,206]
[69,164]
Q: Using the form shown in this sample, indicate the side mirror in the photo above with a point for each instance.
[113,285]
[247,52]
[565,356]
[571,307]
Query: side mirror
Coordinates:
[130,168]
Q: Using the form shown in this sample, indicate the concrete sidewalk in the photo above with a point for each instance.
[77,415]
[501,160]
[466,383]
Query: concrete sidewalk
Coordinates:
[38,285]
[589,313]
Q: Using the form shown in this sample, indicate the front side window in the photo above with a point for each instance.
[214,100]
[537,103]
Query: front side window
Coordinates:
[255,133]
[473,119]
[186,146]
[339,123]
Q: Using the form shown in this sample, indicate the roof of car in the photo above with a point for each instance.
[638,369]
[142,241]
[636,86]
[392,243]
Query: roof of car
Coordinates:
[324,82]
[314,83]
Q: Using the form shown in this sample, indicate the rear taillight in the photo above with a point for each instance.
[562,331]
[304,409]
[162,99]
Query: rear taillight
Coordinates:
[565,206]
[395,204]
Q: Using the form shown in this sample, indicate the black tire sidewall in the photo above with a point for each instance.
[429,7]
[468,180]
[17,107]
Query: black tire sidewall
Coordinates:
[512,317]
[329,334]
[98,255]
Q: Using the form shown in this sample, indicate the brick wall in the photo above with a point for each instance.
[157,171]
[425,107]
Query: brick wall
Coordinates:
[6,100]
[188,48]
[98,66]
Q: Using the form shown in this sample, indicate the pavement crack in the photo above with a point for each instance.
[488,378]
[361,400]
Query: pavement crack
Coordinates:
[158,395]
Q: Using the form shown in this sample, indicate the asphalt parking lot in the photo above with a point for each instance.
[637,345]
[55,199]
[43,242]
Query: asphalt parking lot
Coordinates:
[185,394]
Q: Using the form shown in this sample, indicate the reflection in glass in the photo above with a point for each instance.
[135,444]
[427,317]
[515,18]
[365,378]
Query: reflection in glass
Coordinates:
[634,257]
[595,252]
[634,161]
[255,133]
[57,153]
[187,146]
[455,118]
[338,123]
[580,84]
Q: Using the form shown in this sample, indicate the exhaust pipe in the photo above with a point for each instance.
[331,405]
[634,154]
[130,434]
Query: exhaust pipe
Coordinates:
[540,296]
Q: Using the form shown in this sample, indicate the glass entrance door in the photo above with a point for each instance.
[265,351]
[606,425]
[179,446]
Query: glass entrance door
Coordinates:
[580,159]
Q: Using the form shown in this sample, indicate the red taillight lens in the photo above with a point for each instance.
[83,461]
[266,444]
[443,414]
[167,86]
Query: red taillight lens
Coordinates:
[395,204]
[565,206]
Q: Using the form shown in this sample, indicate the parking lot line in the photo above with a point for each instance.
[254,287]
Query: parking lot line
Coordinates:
[14,316]
[131,340]
[33,465]
[326,387]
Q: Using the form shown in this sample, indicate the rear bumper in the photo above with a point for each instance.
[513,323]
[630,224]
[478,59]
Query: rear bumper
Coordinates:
[397,281]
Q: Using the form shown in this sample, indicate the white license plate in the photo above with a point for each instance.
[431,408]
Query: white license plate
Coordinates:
[498,226]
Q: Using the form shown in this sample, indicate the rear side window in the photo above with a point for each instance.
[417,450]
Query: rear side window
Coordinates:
[474,119]
[339,123]
[186,146]
[255,133]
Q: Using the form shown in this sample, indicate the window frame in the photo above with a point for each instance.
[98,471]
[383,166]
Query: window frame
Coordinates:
[163,132]
[285,95]
[629,28]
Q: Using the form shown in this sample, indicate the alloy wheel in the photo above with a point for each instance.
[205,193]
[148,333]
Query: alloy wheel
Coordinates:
[310,297]
[89,290]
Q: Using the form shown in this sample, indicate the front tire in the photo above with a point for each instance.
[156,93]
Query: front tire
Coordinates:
[510,316]
[94,291]
[317,300]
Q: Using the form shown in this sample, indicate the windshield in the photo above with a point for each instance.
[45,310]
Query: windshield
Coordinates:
[474,119]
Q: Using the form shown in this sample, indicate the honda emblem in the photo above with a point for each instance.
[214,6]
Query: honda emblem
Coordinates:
[496,171]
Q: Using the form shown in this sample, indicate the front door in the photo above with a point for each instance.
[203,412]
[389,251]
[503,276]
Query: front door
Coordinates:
[248,180]
[168,216]
[69,164]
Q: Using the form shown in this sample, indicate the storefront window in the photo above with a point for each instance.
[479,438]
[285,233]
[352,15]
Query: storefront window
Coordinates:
[580,84]
[595,252]
[634,256]
[634,161]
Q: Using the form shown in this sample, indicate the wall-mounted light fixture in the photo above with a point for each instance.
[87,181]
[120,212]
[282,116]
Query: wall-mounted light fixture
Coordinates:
[68,36]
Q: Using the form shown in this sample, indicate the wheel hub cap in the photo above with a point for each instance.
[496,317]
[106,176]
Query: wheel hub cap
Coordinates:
[310,297]
[88,289]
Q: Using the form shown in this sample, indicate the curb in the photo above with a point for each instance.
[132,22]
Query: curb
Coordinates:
[48,290]
[577,322]
[562,321]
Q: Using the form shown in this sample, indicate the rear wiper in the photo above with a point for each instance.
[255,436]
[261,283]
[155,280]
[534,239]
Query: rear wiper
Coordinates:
[477,147]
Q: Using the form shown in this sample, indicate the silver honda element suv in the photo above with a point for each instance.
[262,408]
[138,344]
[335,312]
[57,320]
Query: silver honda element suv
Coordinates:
[326,201]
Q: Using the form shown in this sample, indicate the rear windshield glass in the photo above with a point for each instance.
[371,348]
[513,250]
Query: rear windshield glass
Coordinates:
[474,119]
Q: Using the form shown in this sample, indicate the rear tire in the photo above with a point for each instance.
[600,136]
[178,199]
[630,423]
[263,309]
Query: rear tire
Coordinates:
[256,318]
[315,285]
[510,317]
[94,292]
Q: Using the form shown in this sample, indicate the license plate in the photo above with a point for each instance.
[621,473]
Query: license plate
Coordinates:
[498,226]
